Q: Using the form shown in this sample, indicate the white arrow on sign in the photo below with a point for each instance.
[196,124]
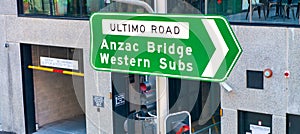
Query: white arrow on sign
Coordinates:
[220,45]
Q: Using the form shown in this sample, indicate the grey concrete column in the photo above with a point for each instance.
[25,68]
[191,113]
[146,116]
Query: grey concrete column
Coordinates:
[229,121]
[162,83]
[11,102]
[278,124]
[162,87]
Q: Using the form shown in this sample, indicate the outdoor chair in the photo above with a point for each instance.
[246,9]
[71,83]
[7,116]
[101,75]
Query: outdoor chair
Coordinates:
[272,3]
[288,5]
[258,6]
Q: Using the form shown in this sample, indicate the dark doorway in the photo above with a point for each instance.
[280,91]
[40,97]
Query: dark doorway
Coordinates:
[28,92]
[293,122]
[50,95]
[250,121]
[120,97]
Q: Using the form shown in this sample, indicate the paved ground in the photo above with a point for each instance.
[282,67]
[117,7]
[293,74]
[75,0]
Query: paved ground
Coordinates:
[3,132]
[69,126]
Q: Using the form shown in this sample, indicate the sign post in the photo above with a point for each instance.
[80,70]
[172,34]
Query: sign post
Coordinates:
[179,46]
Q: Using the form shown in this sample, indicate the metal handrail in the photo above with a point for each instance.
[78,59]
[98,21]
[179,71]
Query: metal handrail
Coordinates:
[207,128]
[138,3]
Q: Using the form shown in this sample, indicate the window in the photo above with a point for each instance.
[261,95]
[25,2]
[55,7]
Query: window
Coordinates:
[264,11]
[255,79]
[54,7]
[282,12]
[76,8]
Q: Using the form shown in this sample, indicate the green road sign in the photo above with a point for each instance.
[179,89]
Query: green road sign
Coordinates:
[180,46]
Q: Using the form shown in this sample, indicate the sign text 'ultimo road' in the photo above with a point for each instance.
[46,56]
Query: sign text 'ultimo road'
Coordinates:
[177,30]
[165,45]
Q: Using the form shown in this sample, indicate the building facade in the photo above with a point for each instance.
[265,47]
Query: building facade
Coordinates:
[261,93]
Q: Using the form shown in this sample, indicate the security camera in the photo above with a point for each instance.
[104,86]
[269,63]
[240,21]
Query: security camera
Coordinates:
[226,86]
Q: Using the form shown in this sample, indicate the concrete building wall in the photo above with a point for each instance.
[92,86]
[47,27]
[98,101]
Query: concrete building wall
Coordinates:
[12,108]
[2,84]
[10,9]
[53,32]
[293,66]
[276,48]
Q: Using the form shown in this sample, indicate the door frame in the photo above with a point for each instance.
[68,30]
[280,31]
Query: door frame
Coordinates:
[28,88]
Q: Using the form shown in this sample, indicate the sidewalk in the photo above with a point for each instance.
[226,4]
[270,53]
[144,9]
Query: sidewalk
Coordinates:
[69,126]
[3,132]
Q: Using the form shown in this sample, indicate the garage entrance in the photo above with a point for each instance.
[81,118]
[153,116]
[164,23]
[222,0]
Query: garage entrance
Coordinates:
[53,86]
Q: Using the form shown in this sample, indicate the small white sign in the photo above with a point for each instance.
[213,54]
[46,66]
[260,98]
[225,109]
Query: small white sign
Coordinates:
[59,63]
[98,101]
[163,29]
[259,129]
[119,100]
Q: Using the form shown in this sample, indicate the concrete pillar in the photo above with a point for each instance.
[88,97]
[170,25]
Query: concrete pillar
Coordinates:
[162,83]
[162,87]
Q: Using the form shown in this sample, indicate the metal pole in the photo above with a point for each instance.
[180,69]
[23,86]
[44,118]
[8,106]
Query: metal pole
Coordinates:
[155,6]
[162,86]
[55,70]
[209,130]
[298,12]
[51,7]
[162,98]
[138,3]
[205,7]
[161,6]
[250,12]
